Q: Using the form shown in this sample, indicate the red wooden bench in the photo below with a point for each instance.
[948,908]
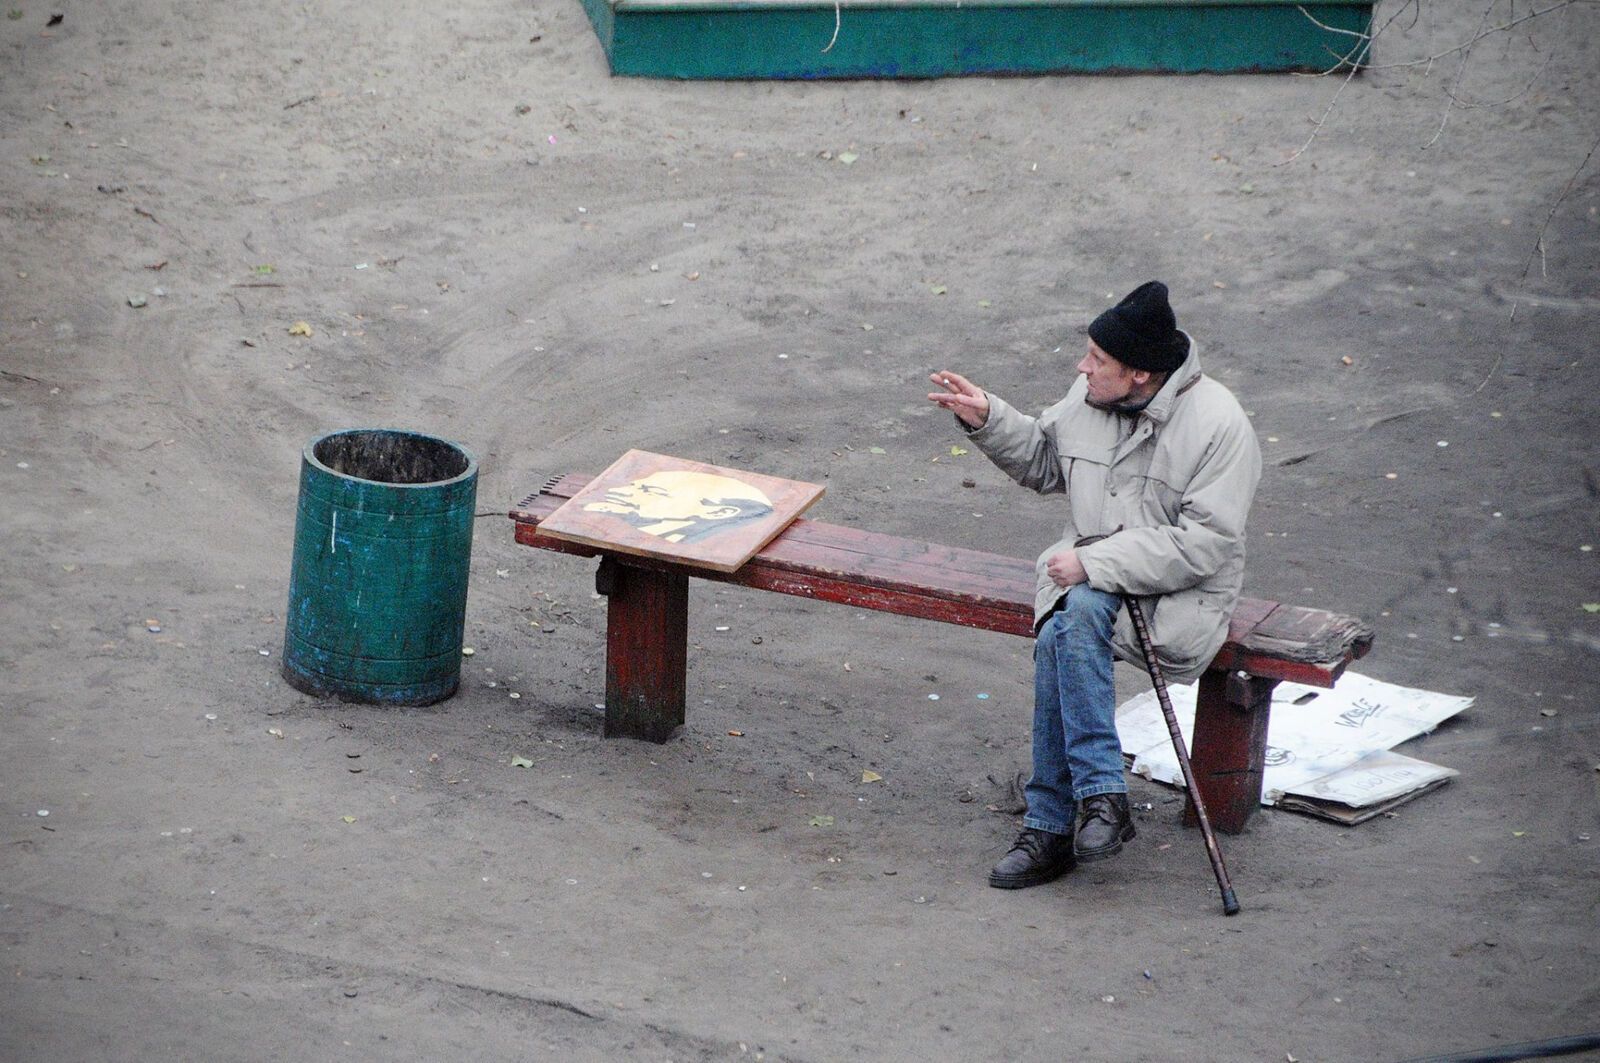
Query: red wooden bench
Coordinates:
[647,630]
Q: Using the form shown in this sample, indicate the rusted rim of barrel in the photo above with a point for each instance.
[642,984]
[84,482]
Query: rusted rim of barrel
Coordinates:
[355,453]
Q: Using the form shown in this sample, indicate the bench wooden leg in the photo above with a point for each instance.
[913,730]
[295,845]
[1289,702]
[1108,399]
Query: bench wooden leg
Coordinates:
[647,650]
[1230,746]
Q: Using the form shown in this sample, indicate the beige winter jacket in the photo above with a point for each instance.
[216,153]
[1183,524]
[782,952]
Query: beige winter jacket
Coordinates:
[1174,483]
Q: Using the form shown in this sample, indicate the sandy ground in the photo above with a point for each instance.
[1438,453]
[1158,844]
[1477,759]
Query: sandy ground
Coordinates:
[196,891]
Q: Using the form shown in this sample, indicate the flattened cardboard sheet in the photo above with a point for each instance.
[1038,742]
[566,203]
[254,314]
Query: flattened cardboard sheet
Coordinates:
[1323,746]
[653,505]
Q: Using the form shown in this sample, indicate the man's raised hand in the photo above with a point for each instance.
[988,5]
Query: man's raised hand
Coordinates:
[961,397]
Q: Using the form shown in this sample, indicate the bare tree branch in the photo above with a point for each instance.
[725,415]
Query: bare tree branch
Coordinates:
[1482,33]
[1515,96]
[1356,60]
[1461,68]
[1364,40]
[1331,29]
[1538,243]
[1431,59]
[1317,129]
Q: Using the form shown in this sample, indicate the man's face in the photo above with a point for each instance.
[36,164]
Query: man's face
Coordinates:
[1109,381]
[665,496]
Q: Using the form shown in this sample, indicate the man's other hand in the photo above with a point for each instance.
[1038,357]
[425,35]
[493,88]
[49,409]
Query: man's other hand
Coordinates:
[1065,570]
[961,397]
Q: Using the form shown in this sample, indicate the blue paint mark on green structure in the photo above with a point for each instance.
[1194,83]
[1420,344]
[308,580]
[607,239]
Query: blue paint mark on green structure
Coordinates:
[803,39]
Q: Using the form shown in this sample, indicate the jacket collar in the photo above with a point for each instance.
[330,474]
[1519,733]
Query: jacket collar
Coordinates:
[1182,379]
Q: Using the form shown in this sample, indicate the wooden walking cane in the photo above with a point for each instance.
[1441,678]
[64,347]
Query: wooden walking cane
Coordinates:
[1230,903]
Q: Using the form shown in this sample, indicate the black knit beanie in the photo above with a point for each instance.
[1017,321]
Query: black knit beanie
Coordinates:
[1141,331]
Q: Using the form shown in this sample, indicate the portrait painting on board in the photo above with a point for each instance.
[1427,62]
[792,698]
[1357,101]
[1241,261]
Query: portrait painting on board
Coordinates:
[680,510]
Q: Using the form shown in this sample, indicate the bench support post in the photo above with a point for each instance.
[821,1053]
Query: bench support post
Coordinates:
[1229,748]
[647,650]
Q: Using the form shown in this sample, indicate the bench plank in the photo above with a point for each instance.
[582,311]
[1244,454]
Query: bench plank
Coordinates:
[888,573]
[885,573]
[891,563]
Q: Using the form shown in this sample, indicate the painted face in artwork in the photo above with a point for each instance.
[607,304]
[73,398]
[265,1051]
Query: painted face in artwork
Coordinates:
[683,506]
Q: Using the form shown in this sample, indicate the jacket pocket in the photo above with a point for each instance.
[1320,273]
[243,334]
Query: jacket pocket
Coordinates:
[1077,450]
[1086,469]
[1187,627]
[1163,503]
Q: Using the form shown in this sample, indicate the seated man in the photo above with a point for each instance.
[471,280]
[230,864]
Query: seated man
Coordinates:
[1159,465]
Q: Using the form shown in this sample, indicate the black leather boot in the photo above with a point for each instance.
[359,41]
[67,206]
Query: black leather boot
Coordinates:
[1103,825]
[1036,857]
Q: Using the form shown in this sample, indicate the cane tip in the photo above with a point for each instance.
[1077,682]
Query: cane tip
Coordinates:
[1230,903]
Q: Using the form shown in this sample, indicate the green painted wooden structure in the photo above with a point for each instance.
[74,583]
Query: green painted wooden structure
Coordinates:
[378,585]
[796,39]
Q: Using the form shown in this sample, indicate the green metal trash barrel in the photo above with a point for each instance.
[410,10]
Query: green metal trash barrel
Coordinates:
[378,586]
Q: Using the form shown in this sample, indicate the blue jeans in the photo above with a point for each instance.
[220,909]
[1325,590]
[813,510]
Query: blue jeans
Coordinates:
[1076,752]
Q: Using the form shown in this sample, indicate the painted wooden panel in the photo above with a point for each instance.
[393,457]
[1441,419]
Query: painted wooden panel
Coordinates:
[704,516]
